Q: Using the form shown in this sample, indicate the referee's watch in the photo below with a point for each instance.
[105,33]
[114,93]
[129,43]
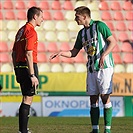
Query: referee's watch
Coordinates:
[32,75]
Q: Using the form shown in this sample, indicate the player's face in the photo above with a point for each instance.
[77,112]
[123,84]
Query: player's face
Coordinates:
[79,19]
[39,19]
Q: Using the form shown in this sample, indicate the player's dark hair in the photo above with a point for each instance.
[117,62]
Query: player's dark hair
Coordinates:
[32,11]
[83,10]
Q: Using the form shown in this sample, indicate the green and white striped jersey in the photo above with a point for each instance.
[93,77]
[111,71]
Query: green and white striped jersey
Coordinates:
[94,41]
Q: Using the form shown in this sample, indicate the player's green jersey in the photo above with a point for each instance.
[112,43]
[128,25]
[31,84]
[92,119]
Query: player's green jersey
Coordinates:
[93,39]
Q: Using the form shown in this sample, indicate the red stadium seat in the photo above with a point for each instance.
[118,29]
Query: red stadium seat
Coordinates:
[116,49]
[130,26]
[66,60]
[41,58]
[129,15]
[127,5]
[120,26]
[117,58]
[126,47]
[122,36]
[110,25]
[9,15]
[47,15]
[52,47]
[5,57]
[0,6]
[128,58]
[44,5]
[1,15]
[8,4]
[55,60]
[58,15]
[115,5]
[20,5]
[106,16]
[56,5]
[68,5]
[64,46]
[31,3]
[21,15]
[103,5]
[118,16]
[41,47]
[3,47]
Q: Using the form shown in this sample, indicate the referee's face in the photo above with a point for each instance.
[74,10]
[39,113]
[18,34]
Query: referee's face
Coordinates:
[79,19]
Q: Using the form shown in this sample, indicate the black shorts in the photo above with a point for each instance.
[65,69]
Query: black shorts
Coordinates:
[24,79]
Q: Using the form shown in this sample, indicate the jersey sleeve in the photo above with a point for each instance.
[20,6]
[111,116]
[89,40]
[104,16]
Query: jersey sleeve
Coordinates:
[78,43]
[104,29]
[30,40]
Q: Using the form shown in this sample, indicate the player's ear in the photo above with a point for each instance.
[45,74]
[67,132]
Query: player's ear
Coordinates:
[35,17]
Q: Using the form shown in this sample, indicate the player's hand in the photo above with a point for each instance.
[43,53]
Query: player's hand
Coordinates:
[34,81]
[101,61]
[54,55]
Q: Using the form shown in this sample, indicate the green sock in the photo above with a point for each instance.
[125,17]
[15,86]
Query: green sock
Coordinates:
[107,118]
[94,113]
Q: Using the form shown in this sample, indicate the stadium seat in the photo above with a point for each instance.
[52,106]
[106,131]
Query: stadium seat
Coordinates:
[20,5]
[3,46]
[122,36]
[44,5]
[41,36]
[110,25]
[118,16]
[68,68]
[116,49]
[50,36]
[64,46]
[130,25]
[129,15]
[63,36]
[21,15]
[12,25]
[41,58]
[3,36]
[80,67]
[1,16]
[2,25]
[117,58]
[41,47]
[121,26]
[126,47]
[31,3]
[66,60]
[11,35]
[127,5]
[5,57]
[58,15]
[6,67]
[44,67]
[119,68]
[128,58]
[8,4]
[47,15]
[106,16]
[129,68]
[21,23]
[61,26]
[67,5]
[69,15]
[80,3]
[56,5]
[49,25]
[52,47]
[9,15]
[103,6]
[0,6]
[115,5]
[72,26]
[55,60]
[79,58]
[95,15]
[93,6]
[56,68]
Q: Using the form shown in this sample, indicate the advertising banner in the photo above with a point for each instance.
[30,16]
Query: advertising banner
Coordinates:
[68,83]
[76,106]
[9,106]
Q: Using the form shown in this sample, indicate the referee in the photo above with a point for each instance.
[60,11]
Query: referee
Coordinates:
[24,57]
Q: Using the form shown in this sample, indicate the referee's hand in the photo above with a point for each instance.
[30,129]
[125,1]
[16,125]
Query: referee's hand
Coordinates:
[34,81]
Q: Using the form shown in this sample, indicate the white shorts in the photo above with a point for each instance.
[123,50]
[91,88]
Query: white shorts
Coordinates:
[100,82]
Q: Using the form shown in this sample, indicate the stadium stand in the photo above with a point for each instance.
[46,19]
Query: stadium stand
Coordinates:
[21,15]
[10,15]
[117,58]
[103,5]
[12,25]
[3,47]
[56,5]
[50,36]
[19,5]
[44,67]
[58,15]
[121,26]
[67,5]
[52,47]
[115,5]
[68,68]
[49,25]
[61,26]
[44,5]
[126,47]
[56,68]
[129,68]
[31,3]
[8,5]
[6,67]
[79,3]
[129,15]
[41,47]
[119,68]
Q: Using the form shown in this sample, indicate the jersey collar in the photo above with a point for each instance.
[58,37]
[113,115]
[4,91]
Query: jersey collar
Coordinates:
[30,25]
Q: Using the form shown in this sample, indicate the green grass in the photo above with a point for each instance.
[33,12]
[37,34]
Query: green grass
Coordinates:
[65,125]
